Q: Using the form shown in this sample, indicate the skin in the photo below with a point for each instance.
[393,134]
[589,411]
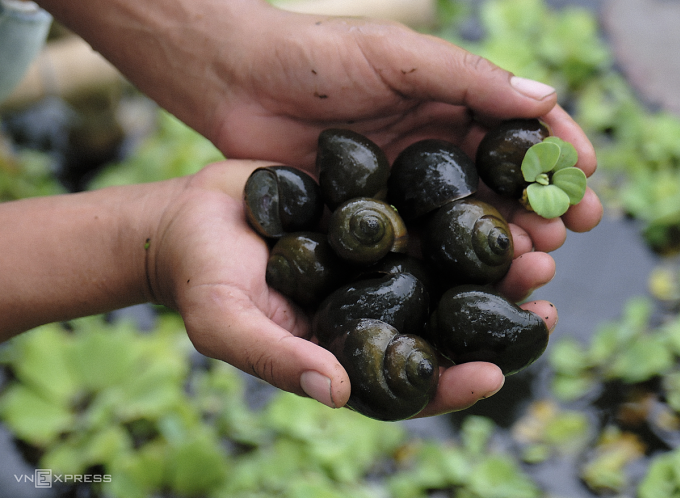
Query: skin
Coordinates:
[184,243]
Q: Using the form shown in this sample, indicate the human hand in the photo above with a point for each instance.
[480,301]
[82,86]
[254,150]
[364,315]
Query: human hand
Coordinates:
[393,85]
[269,96]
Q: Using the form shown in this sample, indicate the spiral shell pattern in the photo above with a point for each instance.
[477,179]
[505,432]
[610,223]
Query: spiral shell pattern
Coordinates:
[393,376]
[363,230]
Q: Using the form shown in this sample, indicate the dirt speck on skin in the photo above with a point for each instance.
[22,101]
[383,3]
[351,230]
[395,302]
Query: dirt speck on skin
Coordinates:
[320,95]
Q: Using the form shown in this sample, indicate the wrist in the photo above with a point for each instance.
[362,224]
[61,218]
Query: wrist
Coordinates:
[176,51]
[74,255]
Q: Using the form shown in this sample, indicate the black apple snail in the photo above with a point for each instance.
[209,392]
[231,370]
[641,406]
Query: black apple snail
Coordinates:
[364,230]
[393,375]
[282,199]
[474,323]
[350,165]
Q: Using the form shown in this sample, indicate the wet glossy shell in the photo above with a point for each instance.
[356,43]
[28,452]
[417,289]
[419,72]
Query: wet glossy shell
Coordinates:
[469,241]
[363,230]
[395,263]
[393,376]
[350,165]
[399,300]
[473,323]
[282,199]
[427,175]
[303,267]
[501,151]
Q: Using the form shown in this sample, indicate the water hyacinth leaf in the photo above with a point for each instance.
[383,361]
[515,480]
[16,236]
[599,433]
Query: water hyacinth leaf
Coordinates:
[641,360]
[548,201]
[540,158]
[568,155]
[500,476]
[663,477]
[572,181]
[32,417]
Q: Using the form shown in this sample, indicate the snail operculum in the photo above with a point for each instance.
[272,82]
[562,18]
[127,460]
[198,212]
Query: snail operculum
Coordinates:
[350,165]
[282,199]
[393,376]
[469,241]
[474,323]
[363,230]
[427,175]
[303,267]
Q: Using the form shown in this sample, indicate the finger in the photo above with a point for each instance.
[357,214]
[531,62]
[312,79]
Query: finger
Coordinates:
[461,386]
[521,240]
[429,68]
[546,310]
[547,234]
[585,215]
[527,273]
[563,126]
[237,332]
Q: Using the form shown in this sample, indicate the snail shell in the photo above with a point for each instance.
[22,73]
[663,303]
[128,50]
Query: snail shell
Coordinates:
[473,323]
[282,199]
[501,152]
[427,175]
[469,241]
[393,376]
[400,300]
[363,230]
[350,165]
[304,267]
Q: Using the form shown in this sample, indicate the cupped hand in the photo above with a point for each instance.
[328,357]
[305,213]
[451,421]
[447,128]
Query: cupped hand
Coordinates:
[210,265]
[388,82]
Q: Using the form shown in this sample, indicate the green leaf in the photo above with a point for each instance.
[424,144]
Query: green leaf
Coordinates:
[197,466]
[663,477]
[33,418]
[568,155]
[548,201]
[540,158]
[499,476]
[572,181]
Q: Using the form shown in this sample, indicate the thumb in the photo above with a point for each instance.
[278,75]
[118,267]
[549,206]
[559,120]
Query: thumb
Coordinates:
[237,332]
[430,68]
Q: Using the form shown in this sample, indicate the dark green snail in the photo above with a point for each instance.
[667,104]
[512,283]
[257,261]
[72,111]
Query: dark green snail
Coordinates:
[304,267]
[501,152]
[400,300]
[372,326]
[474,323]
[468,241]
[429,174]
[280,200]
[350,165]
[393,375]
[363,230]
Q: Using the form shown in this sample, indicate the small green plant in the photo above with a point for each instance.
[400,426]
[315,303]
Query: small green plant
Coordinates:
[555,183]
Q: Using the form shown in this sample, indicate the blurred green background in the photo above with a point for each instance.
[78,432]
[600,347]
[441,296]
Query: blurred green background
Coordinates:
[125,396]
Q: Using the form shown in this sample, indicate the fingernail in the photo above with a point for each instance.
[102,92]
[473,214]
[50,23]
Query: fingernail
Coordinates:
[491,393]
[317,386]
[531,88]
